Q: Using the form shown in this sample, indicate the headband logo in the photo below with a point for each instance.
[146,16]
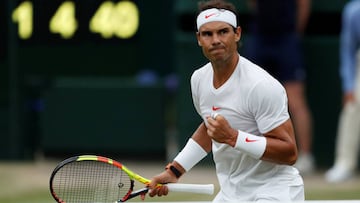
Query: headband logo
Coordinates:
[211,14]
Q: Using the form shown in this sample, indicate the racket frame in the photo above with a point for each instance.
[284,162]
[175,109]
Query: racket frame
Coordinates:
[204,189]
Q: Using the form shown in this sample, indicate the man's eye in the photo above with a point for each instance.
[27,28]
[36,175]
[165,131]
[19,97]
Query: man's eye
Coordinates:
[206,34]
[223,32]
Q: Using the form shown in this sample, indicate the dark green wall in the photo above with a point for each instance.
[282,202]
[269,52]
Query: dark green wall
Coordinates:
[103,115]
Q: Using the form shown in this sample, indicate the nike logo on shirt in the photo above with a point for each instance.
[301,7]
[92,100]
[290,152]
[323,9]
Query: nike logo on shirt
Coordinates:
[215,108]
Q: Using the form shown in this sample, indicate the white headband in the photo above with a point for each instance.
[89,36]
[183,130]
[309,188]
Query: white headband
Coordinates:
[214,14]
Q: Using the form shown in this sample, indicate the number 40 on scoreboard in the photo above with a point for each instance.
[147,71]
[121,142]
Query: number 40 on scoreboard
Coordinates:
[110,19]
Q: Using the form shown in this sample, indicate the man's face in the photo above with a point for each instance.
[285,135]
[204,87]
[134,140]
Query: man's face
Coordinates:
[218,40]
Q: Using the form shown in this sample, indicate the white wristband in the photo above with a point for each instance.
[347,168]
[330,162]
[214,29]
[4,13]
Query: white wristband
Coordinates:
[190,155]
[251,144]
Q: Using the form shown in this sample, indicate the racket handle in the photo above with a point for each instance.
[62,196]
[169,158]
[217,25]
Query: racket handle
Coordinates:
[191,188]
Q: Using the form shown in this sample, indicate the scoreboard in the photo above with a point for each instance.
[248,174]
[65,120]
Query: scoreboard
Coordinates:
[88,37]
[109,19]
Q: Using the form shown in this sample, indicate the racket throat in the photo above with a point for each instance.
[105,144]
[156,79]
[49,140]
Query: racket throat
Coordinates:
[131,194]
[142,192]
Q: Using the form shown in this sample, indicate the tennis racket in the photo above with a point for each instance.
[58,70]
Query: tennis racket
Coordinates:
[91,178]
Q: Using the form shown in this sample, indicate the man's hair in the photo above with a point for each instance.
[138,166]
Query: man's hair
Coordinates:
[219,4]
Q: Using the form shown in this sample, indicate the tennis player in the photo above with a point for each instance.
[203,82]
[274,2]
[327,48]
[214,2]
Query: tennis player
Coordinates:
[246,123]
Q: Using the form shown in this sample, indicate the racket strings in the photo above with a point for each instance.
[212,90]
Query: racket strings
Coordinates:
[90,181]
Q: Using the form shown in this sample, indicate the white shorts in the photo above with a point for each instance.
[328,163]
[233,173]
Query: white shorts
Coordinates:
[282,194]
[272,192]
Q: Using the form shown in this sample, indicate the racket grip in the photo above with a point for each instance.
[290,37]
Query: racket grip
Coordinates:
[191,188]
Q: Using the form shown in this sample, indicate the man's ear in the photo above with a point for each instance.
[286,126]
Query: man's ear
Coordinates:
[238,33]
[198,38]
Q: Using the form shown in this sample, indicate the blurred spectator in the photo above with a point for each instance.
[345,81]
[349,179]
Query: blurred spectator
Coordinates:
[348,137]
[147,77]
[274,43]
[172,82]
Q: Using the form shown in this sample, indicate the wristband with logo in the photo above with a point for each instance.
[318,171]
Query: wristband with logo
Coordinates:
[251,144]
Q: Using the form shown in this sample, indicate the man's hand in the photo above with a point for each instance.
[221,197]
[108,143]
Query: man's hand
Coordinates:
[219,129]
[348,98]
[164,177]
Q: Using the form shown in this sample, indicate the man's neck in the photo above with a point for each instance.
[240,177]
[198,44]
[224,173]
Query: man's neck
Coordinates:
[223,70]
